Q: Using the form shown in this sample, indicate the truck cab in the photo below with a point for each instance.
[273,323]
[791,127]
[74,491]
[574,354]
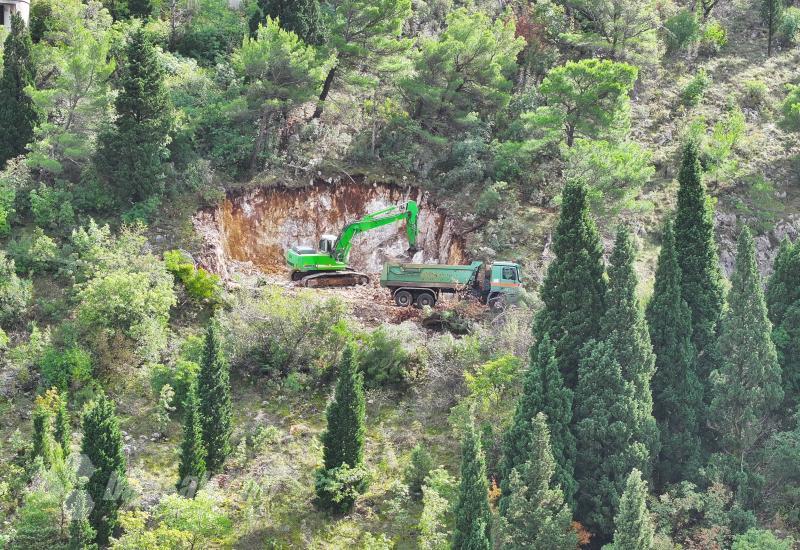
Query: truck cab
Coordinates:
[502,283]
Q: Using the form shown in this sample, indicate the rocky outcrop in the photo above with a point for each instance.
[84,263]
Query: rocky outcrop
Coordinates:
[258,225]
[728,226]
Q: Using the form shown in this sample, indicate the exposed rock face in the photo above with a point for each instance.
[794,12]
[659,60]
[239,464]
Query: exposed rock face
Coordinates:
[728,226]
[259,225]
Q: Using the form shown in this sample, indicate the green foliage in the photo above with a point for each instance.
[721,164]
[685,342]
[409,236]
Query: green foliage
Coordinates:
[543,392]
[746,389]
[614,172]
[81,533]
[52,207]
[43,442]
[782,473]
[783,301]
[61,369]
[131,153]
[18,114]
[755,94]
[760,539]
[789,28]
[388,358]
[574,288]
[180,376]
[343,440]
[695,89]
[41,19]
[34,252]
[62,430]
[199,283]
[472,514]
[214,392]
[633,526]
[790,109]
[418,469]
[623,28]
[714,37]
[535,514]
[677,390]
[213,32]
[772,12]
[338,488]
[140,8]
[587,97]
[681,31]
[192,467]
[15,293]
[107,486]
[302,17]
[438,493]
[37,525]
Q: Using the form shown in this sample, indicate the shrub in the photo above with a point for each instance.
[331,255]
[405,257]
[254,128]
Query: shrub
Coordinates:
[338,488]
[692,94]
[179,376]
[789,27]
[52,207]
[15,293]
[760,539]
[34,252]
[418,469]
[681,31]
[791,108]
[388,356]
[714,37]
[200,284]
[754,95]
[60,369]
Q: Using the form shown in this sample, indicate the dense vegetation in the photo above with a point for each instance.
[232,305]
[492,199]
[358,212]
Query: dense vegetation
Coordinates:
[638,157]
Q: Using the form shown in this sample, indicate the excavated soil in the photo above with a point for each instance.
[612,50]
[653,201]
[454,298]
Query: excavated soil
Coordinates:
[258,225]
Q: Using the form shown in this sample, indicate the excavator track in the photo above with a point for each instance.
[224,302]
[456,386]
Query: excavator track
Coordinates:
[335,279]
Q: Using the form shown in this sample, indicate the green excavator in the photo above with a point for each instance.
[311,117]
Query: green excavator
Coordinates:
[328,264]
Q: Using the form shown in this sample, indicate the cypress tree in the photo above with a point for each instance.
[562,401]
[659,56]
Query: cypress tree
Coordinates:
[701,278]
[343,439]
[473,517]
[140,8]
[102,444]
[61,428]
[302,17]
[536,516]
[634,528]
[625,330]
[543,391]
[81,533]
[574,288]
[214,392]
[747,387]
[608,432]
[18,114]
[42,434]
[677,392]
[131,153]
[192,467]
[783,301]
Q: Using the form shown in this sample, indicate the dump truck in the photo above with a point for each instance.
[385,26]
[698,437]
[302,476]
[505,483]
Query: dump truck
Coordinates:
[496,284]
[327,265]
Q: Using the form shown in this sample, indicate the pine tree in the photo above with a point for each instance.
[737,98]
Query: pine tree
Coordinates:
[677,392]
[214,393]
[302,17]
[772,15]
[61,428]
[107,486]
[131,154]
[18,114]
[747,387]
[634,527]
[608,432]
[574,289]
[625,329]
[81,533]
[701,278]
[473,517]
[418,469]
[343,440]
[783,301]
[192,467]
[543,391]
[536,516]
[43,434]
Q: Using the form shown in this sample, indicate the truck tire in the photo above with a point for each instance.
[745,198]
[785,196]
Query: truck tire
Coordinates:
[403,298]
[426,299]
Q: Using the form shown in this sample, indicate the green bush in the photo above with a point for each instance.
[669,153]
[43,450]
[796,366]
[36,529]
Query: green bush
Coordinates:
[34,252]
[791,108]
[761,539]
[789,27]
[338,488]
[15,293]
[200,284]
[694,91]
[681,31]
[418,469]
[62,369]
[388,357]
[754,95]
[179,376]
[714,37]
[52,207]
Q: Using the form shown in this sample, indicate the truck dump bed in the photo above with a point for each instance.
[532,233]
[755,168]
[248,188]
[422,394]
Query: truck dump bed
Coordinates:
[395,275]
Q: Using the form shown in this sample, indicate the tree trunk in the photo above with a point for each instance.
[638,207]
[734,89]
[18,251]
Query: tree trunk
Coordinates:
[261,137]
[326,88]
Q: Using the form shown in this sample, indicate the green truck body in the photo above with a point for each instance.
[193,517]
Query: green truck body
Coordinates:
[423,284]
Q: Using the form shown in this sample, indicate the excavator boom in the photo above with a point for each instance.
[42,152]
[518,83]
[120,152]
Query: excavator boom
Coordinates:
[408,212]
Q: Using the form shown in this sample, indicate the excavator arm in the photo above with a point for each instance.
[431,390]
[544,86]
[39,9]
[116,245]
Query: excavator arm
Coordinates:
[408,212]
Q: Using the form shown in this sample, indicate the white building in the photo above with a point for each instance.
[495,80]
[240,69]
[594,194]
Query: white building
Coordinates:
[10,7]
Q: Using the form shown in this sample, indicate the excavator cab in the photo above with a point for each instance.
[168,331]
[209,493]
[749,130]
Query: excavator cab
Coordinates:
[326,243]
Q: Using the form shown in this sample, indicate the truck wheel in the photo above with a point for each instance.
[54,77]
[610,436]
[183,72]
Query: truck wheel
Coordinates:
[403,298]
[426,299]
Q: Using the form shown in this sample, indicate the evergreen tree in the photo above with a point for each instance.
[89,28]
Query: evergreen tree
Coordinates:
[61,428]
[536,516]
[192,467]
[473,517]
[772,14]
[747,387]
[140,8]
[543,391]
[131,154]
[418,469]
[574,289]
[43,433]
[81,533]
[18,114]
[624,328]
[107,486]
[701,278]
[302,17]
[783,301]
[214,392]
[634,528]
[677,392]
[608,432]
[343,440]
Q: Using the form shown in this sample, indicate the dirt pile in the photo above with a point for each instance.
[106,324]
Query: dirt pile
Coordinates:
[258,225]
